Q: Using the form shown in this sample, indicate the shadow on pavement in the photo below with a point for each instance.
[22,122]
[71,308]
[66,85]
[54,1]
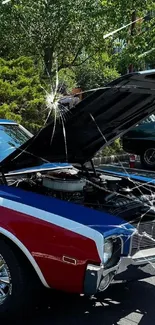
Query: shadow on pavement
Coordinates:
[121,304]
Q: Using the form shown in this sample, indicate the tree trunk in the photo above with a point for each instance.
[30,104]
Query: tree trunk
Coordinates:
[48,60]
[131,67]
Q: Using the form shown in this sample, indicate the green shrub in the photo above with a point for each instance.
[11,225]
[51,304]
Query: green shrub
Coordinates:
[22,97]
[113,149]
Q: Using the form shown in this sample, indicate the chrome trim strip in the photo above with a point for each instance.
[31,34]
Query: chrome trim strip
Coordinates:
[8,123]
[131,239]
[35,170]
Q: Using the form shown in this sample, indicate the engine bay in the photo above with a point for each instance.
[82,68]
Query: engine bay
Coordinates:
[116,195]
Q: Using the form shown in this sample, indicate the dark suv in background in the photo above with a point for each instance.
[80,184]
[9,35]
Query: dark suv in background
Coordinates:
[141,141]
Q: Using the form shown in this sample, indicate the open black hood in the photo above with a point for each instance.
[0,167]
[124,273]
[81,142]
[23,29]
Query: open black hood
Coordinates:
[94,123]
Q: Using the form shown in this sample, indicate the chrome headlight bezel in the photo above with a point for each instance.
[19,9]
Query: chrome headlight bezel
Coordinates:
[108,250]
[112,251]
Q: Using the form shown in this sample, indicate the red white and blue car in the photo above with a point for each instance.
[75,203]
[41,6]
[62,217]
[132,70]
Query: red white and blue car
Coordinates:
[63,223]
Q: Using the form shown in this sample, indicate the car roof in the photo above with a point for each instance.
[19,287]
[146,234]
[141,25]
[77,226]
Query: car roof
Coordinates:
[3,121]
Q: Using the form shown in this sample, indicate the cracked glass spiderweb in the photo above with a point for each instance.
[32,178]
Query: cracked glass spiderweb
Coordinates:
[61,113]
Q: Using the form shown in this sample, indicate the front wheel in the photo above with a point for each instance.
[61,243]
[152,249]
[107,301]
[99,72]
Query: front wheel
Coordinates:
[16,283]
[148,158]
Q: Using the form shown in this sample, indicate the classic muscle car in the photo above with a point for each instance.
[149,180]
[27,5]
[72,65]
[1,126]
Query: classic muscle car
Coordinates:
[64,224]
[141,141]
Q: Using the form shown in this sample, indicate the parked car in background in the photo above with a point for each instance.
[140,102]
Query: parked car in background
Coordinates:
[63,225]
[141,141]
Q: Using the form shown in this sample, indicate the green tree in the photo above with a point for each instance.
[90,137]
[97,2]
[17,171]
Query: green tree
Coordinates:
[65,33]
[52,30]
[22,97]
[96,73]
[137,38]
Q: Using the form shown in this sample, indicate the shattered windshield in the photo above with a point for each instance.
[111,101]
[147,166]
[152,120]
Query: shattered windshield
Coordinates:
[77,75]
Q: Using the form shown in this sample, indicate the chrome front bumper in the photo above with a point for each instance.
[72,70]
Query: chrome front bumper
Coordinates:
[98,279]
[146,256]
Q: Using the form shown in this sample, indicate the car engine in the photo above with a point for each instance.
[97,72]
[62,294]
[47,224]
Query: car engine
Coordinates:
[103,192]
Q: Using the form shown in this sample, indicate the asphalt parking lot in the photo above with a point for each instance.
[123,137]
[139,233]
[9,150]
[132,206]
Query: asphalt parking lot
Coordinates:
[121,304]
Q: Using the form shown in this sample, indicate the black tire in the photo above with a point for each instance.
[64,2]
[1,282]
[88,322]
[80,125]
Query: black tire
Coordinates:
[148,158]
[23,284]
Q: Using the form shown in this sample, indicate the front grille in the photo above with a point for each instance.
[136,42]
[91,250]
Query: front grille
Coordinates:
[145,238]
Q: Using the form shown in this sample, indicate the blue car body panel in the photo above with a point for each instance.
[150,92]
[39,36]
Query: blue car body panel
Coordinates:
[104,223]
[101,221]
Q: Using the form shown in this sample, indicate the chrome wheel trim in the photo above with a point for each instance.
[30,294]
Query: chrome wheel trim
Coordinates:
[5,281]
[149,156]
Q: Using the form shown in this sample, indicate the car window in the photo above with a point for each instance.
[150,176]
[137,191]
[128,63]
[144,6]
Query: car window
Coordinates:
[11,137]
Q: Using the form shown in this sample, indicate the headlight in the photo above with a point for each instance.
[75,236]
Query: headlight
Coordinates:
[108,250]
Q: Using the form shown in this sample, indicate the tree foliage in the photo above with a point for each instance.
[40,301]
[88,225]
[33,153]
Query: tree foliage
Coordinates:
[21,95]
[138,38]
[65,33]
[52,29]
[96,73]
[41,37]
